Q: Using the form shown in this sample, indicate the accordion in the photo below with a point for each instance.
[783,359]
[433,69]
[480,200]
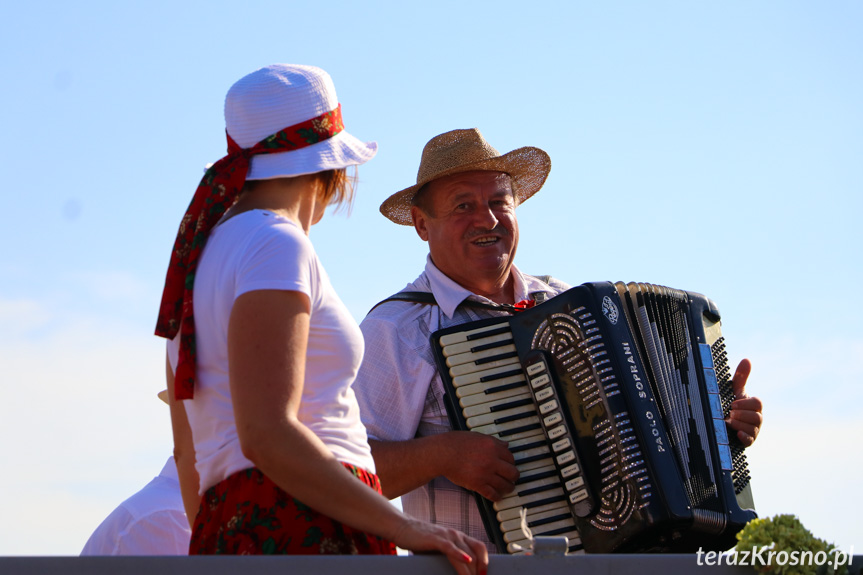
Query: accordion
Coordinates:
[612,398]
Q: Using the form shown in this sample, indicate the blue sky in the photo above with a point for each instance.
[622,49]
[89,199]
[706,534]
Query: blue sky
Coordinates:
[713,147]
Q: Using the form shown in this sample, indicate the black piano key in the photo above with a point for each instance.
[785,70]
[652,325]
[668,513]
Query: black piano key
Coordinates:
[496,358]
[545,475]
[560,531]
[492,345]
[515,417]
[489,333]
[533,458]
[545,501]
[535,490]
[527,446]
[511,404]
[548,520]
[516,371]
[500,388]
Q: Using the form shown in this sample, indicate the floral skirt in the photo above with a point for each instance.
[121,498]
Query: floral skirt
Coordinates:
[248,514]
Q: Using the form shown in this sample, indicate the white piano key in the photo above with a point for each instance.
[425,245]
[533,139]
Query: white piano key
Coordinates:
[539,530]
[517,501]
[485,407]
[513,513]
[491,417]
[471,357]
[465,347]
[533,465]
[467,368]
[529,485]
[475,377]
[543,469]
[513,524]
[462,336]
[527,453]
[480,389]
[519,435]
[499,428]
[535,437]
[520,547]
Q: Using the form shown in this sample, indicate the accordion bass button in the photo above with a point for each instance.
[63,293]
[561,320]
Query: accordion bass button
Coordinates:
[540,381]
[553,419]
[566,457]
[535,368]
[548,407]
[574,484]
[562,444]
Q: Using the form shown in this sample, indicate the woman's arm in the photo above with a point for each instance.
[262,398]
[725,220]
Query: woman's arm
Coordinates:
[184,450]
[267,339]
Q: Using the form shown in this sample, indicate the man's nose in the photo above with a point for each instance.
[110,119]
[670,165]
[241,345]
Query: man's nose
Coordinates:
[485,218]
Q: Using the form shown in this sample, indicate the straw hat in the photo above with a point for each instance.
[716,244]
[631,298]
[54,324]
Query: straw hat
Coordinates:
[281,95]
[465,151]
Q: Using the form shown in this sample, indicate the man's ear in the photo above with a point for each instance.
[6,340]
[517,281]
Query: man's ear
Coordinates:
[420,219]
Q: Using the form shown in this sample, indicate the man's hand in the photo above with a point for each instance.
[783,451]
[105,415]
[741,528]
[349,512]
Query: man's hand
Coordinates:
[480,463]
[745,417]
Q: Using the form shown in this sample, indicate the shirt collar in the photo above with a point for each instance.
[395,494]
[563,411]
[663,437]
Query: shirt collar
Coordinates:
[450,294]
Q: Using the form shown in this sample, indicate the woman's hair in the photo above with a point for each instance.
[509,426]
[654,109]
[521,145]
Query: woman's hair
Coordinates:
[337,188]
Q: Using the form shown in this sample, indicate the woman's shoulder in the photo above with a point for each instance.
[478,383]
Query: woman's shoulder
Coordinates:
[267,227]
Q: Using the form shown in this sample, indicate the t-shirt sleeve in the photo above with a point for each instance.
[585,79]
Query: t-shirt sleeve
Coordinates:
[281,257]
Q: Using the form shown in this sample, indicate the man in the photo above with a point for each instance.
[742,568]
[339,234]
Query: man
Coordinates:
[150,522]
[463,205]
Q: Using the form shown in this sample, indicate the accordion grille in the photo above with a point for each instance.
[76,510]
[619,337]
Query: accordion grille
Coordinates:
[740,472]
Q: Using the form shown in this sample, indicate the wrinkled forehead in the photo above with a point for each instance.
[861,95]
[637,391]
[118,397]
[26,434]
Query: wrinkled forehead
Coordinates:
[468,181]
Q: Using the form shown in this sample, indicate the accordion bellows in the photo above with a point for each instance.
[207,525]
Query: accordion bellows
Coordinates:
[612,398]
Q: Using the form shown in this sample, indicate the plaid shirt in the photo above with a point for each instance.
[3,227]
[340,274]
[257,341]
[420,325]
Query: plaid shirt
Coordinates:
[400,392]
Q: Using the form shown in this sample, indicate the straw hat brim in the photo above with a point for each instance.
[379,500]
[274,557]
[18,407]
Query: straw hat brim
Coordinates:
[528,168]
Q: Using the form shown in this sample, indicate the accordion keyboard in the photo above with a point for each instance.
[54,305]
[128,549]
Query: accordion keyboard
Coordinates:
[496,399]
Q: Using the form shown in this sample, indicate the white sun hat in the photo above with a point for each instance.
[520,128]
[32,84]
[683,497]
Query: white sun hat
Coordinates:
[281,95]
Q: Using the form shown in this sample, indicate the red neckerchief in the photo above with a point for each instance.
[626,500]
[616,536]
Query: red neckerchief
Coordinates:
[216,193]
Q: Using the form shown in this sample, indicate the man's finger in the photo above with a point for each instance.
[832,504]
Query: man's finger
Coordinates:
[738,382]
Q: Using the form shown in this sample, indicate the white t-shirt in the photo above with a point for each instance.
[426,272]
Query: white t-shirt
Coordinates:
[259,250]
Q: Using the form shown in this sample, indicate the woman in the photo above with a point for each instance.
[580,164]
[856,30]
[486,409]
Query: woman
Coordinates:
[262,353]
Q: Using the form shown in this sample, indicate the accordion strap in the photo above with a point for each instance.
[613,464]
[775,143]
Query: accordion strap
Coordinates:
[428,298]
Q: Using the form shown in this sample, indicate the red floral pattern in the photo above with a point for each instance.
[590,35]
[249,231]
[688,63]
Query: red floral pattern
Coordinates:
[248,514]
[217,192]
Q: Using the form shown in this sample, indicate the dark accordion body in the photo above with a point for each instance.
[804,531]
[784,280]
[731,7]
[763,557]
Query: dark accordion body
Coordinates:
[612,398]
